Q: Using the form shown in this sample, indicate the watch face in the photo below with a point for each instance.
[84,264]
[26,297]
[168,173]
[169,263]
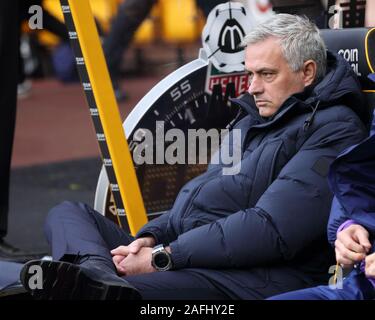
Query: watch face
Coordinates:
[161,260]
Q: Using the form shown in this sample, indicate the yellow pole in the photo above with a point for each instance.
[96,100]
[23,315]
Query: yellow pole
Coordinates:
[114,136]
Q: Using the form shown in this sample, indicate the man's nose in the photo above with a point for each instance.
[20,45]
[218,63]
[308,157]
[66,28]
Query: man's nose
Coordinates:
[256,86]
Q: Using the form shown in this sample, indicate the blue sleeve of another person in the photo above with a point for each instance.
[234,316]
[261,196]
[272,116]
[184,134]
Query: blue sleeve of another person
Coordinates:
[336,219]
[351,178]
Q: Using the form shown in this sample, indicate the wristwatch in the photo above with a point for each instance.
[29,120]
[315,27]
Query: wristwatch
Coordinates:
[161,258]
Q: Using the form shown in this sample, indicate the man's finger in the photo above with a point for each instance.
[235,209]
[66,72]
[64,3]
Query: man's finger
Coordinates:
[370,259]
[135,246]
[351,244]
[341,260]
[121,270]
[370,270]
[345,263]
[363,240]
[117,259]
[347,254]
[121,250]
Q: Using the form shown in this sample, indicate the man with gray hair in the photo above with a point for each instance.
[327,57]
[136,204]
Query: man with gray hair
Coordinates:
[251,235]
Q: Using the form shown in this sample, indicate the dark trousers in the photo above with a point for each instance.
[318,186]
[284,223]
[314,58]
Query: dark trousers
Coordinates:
[131,14]
[75,228]
[354,287]
[9,48]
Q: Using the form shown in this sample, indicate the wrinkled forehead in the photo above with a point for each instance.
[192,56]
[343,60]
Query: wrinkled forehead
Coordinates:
[264,54]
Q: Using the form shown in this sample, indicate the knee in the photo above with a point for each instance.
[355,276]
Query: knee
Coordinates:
[62,212]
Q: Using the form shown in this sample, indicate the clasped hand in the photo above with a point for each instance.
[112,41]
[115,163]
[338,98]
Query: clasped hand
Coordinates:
[134,258]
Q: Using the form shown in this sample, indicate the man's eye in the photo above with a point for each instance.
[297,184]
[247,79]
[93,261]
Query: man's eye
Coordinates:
[267,75]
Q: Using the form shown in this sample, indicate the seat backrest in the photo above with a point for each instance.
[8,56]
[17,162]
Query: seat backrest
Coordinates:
[357,46]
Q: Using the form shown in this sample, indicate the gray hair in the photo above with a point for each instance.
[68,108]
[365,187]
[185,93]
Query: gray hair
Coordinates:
[299,39]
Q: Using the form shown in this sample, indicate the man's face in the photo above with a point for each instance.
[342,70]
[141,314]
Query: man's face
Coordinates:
[271,79]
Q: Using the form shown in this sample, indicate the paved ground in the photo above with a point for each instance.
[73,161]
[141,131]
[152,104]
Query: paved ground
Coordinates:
[36,189]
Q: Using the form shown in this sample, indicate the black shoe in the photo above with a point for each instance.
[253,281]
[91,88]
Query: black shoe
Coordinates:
[68,281]
[11,253]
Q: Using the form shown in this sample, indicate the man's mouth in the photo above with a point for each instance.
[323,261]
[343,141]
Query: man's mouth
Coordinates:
[261,103]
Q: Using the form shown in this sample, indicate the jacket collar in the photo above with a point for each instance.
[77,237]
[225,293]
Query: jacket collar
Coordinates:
[339,86]
[247,103]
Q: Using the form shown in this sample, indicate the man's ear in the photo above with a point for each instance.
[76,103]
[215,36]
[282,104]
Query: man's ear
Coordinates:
[309,72]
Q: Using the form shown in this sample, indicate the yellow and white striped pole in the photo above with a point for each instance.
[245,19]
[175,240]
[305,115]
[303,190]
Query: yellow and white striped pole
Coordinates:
[105,114]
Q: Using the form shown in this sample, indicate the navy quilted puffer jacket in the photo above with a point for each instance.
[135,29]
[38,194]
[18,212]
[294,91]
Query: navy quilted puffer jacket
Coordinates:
[275,210]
